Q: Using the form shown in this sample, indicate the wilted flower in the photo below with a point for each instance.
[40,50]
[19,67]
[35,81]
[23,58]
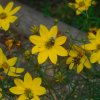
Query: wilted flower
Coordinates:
[9,43]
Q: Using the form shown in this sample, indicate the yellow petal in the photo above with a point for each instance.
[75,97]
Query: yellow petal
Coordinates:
[72,5]
[5,25]
[53,31]
[35,98]
[60,40]
[87,62]
[35,49]
[99,57]
[19,82]
[53,56]
[10,73]
[17,90]
[27,80]
[43,31]
[2,60]
[0,89]
[89,46]
[73,53]
[12,61]
[78,49]
[12,19]
[15,10]
[92,37]
[98,36]
[61,51]
[0,95]
[39,90]
[36,40]
[78,12]
[71,65]
[94,57]
[99,61]
[42,57]
[69,60]
[1,9]
[22,97]
[77,1]
[36,82]
[9,7]
[79,68]
[16,69]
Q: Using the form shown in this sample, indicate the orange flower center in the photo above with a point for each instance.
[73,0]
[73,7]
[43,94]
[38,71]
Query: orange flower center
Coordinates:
[50,43]
[3,15]
[29,93]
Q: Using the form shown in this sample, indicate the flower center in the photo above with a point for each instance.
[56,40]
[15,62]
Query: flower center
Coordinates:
[81,4]
[28,93]
[98,46]
[3,15]
[5,66]
[94,32]
[50,43]
[77,60]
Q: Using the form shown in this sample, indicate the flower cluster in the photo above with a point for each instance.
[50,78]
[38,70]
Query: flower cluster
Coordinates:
[48,46]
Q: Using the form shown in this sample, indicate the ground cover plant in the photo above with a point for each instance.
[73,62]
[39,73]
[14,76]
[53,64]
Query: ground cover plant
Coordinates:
[48,65]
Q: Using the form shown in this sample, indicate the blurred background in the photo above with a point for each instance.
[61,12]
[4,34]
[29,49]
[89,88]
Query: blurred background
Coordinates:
[59,9]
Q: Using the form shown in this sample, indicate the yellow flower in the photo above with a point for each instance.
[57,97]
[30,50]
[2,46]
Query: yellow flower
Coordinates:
[78,59]
[94,46]
[81,5]
[7,65]
[48,44]
[28,89]
[7,15]
[0,93]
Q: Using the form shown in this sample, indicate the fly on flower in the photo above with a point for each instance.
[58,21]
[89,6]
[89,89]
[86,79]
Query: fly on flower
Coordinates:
[28,89]
[48,44]
[7,15]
